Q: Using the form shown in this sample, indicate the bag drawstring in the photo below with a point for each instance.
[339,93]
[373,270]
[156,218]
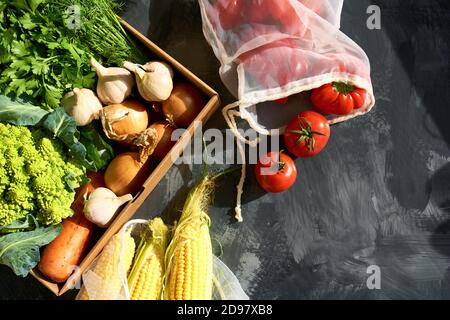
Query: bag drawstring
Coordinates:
[230,117]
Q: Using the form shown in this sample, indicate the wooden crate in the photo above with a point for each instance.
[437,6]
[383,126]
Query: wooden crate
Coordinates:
[130,209]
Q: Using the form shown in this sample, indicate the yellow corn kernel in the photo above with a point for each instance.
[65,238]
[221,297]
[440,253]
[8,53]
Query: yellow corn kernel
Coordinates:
[190,262]
[107,269]
[149,282]
[189,274]
[146,276]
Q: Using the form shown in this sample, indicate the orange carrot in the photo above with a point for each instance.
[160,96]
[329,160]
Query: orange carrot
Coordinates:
[62,255]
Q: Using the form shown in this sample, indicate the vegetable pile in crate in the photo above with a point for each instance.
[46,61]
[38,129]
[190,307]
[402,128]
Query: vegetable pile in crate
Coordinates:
[87,116]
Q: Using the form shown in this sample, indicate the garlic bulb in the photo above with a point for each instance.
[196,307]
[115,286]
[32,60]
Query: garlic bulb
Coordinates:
[154,79]
[114,84]
[102,205]
[83,105]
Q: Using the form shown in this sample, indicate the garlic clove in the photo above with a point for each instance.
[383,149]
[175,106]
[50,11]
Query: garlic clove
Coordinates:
[83,105]
[114,84]
[154,79]
[102,205]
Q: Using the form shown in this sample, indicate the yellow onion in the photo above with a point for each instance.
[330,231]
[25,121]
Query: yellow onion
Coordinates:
[164,142]
[184,104]
[126,173]
[124,121]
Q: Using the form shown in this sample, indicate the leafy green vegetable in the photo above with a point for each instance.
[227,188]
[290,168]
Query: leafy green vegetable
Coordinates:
[64,127]
[36,55]
[42,57]
[89,147]
[27,224]
[97,149]
[20,114]
[20,251]
[58,122]
[103,32]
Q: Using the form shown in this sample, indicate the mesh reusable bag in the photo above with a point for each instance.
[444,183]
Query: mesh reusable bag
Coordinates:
[226,286]
[106,276]
[271,49]
[111,283]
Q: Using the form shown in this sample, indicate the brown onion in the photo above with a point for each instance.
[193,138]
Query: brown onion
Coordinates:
[164,141]
[183,105]
[123,121]
[126,173]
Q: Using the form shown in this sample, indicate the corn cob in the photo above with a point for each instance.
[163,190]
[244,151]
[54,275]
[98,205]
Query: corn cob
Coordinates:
[146,276]
[189,255]
[108,269]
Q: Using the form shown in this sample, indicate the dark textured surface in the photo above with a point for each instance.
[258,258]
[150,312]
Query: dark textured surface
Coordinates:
[379,194]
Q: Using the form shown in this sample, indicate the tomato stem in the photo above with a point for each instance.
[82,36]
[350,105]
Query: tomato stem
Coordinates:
[280,163]
[306,134]
[344,88]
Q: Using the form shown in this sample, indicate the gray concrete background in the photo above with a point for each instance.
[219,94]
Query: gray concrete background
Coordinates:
[378,195]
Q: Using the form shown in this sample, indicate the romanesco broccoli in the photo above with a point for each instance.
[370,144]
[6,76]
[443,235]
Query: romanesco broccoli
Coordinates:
[36,176]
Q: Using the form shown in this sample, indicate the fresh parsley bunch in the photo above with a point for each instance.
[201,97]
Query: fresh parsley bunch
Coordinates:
[38,61]
[41,58]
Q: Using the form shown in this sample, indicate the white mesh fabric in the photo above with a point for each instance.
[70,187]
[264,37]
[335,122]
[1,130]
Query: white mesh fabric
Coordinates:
[272,59]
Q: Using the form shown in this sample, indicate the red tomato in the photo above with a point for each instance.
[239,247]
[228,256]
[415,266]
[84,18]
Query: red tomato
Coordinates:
[338,98]
[283,13]
[340,62]
[257,11]
[275,66]
[230,13]
[246,37]
[275,172]
[307,134]
[276,63]
[278,8]
[327,65]
[282,100]
[343,62]
[298,67]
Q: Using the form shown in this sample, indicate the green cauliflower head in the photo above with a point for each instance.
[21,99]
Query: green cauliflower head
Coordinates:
[37,176]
